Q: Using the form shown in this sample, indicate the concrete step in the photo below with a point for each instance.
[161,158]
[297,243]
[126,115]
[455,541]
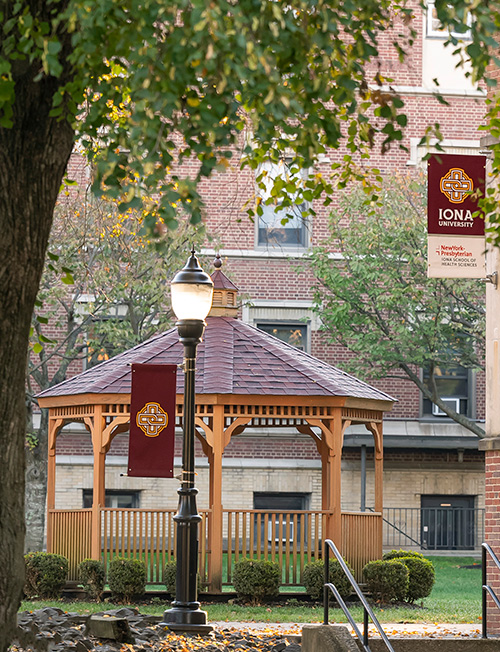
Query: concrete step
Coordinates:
[338,638]
[433,645]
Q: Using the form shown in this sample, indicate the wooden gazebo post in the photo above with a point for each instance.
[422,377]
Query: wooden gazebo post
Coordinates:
[54,426]
[215,441]
[376,430]
[95,425]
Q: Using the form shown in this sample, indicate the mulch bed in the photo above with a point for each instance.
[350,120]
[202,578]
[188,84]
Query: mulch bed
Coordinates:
[55,630]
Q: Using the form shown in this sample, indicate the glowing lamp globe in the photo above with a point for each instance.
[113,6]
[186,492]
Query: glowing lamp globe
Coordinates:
[192,291]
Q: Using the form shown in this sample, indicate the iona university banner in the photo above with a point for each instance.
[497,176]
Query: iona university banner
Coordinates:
[152,421]
[456,242]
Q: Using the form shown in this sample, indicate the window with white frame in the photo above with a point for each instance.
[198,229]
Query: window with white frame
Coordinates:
[419,150]
[115,498]
[454,384]
[283,223]
[282,521]
[435,28]
[293,322]
[291,333]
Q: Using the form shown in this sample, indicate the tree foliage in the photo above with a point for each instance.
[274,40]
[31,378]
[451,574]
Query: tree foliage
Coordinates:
[374,296]
[148,85]
[104,289]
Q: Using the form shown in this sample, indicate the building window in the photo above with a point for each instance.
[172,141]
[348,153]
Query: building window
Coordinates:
[115,498]
[294,334]
[282,223]
[436,30]
[281,502]
[454,385]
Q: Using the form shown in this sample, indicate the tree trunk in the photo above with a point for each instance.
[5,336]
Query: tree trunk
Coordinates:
[36,486]
[33,158]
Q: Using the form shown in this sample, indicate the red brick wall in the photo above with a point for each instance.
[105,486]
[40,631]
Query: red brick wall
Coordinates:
[272,278]
[279,447]
[492,533]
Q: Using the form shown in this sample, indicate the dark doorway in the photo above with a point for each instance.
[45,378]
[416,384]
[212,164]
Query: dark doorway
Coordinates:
[447,522]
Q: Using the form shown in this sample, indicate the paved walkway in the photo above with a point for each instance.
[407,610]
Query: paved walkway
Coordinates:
[410,630]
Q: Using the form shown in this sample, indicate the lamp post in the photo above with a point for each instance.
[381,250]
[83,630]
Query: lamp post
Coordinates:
[192,291]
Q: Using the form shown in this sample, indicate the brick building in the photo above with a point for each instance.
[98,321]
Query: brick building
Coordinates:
[430,462]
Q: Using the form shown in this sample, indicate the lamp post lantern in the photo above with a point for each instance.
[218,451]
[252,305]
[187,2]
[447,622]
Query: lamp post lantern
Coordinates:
[192,291]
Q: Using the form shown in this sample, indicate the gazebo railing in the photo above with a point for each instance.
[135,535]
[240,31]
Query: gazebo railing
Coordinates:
[361,539]
[147,534]
[291,538]
[69,532]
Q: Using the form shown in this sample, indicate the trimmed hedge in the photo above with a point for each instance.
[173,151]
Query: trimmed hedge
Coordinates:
[256,580]
[92,577]
[387,580]
[421,577]
[45,574]
[127,578]
[313,578]
[397,554]
[421,573]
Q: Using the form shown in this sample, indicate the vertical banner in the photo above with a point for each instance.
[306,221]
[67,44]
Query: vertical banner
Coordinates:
[456,242]
[152,421]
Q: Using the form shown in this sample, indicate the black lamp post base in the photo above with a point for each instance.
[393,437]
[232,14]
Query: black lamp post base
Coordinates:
[191,621]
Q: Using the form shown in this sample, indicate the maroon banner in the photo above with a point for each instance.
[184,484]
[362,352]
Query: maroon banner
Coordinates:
[152,421]
[455,183]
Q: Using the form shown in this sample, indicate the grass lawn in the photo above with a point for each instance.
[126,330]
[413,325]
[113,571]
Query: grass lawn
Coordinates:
[455,598]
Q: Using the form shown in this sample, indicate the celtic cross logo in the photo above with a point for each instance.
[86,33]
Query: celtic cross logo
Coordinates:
[152,419]
[456,185]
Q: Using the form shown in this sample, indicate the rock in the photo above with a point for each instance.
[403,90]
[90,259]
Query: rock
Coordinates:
[279,647]
[113,627]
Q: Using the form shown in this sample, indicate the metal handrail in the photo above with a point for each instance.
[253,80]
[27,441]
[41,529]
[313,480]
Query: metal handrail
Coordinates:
[398,529]
[486,589]
[367,610]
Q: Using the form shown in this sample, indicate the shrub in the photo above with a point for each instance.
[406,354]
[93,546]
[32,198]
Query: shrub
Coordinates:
[387,580]
[397,554]
[126,578]
[313,578]
[421,577]
[45,574]
[256,580]
[92,577]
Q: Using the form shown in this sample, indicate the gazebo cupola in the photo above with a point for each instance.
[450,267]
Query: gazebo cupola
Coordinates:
[224,303]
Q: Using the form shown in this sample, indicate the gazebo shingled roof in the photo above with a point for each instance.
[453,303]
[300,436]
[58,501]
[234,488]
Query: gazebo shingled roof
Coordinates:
[234,358]
[245,377]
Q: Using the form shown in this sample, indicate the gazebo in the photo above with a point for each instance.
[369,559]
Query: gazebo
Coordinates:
[245,378]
